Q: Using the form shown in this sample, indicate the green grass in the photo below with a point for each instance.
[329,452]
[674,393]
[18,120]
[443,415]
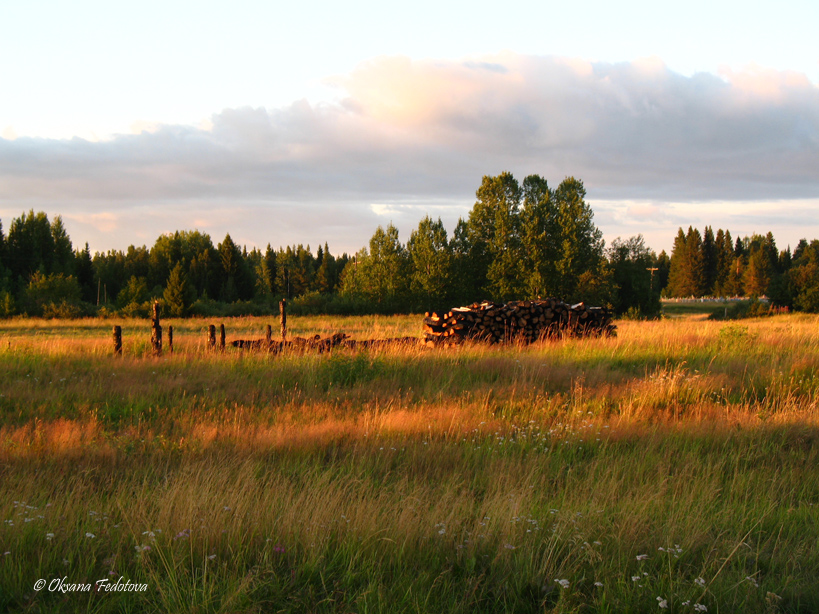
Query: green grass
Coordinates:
[675,309]
[677,461]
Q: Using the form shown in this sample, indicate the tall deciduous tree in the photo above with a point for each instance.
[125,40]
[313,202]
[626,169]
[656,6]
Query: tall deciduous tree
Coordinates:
[580,243]
[495,233]
[431,258]
[539,229]
[380,274]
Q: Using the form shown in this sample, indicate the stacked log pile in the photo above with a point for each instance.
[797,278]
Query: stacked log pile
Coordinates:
[521,321]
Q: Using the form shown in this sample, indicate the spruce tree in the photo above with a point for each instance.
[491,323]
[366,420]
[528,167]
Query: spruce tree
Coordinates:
[709,262]
[176,294]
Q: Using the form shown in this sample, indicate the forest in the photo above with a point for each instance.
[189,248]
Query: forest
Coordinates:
[520,240]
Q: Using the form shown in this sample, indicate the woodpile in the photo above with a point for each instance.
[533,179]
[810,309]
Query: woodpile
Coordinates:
[516,321]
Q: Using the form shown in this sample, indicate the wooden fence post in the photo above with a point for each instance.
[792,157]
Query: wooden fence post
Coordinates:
[170,339]
[221,337]
[268,335]
[283,311]
[156,330]
[117,341]
[211,337]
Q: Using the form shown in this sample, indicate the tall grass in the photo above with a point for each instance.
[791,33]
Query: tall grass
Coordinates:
[674,465]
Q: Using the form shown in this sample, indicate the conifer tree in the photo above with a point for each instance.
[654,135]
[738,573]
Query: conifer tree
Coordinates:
[177,294]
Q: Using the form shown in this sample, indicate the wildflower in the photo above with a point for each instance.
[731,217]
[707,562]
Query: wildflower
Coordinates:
[509,546]
[211,557]
[700,581]
[635,578]
[562,583]
[663,603]
[142,548]
[698,607]
[49,536]
[598,584]
[278,549]
[90,535]
[642,557]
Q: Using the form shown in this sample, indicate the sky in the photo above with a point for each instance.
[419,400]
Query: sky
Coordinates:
[315,122]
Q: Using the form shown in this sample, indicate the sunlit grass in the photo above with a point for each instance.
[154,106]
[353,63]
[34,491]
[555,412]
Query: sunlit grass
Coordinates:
[676,461]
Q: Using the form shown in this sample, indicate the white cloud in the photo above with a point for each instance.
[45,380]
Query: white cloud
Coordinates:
[424,132]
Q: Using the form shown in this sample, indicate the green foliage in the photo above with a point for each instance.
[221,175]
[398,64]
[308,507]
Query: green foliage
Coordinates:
[135,292]
[687,275]
[7,306]
[178,294]
[52,295]
[638,288]
[520,240]
[580,242]
[380,275]
[804,277]
[431,262]
[495,233]
[30,246]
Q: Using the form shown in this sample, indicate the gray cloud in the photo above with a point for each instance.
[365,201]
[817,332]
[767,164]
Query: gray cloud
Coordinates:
[415,132]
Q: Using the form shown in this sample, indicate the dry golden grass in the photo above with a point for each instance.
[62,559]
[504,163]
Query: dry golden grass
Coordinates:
[408,479]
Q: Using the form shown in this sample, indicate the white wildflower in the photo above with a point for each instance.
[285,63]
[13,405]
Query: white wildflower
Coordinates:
[663,603]
[562,583]
[700,581]
[90,535]
[642,557]
[598,584]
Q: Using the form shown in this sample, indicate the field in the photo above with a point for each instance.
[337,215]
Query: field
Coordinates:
[703,309]
[672,468]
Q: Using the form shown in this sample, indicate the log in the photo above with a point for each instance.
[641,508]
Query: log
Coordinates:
[117,336]
[156,330]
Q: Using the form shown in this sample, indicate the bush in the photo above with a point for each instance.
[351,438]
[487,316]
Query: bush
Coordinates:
[54,293]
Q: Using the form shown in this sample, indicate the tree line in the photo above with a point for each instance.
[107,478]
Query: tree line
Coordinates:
[521,239]
[709,264]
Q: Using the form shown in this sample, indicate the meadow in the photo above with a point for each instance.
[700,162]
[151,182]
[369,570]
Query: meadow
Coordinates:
[673,468]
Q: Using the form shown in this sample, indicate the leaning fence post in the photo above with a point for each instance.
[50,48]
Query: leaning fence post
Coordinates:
[211,337]
[283,311]
[222,337]
[117,341]
[170,339]
[156,330]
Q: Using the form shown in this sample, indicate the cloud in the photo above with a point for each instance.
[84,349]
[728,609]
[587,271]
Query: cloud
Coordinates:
[408,131]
